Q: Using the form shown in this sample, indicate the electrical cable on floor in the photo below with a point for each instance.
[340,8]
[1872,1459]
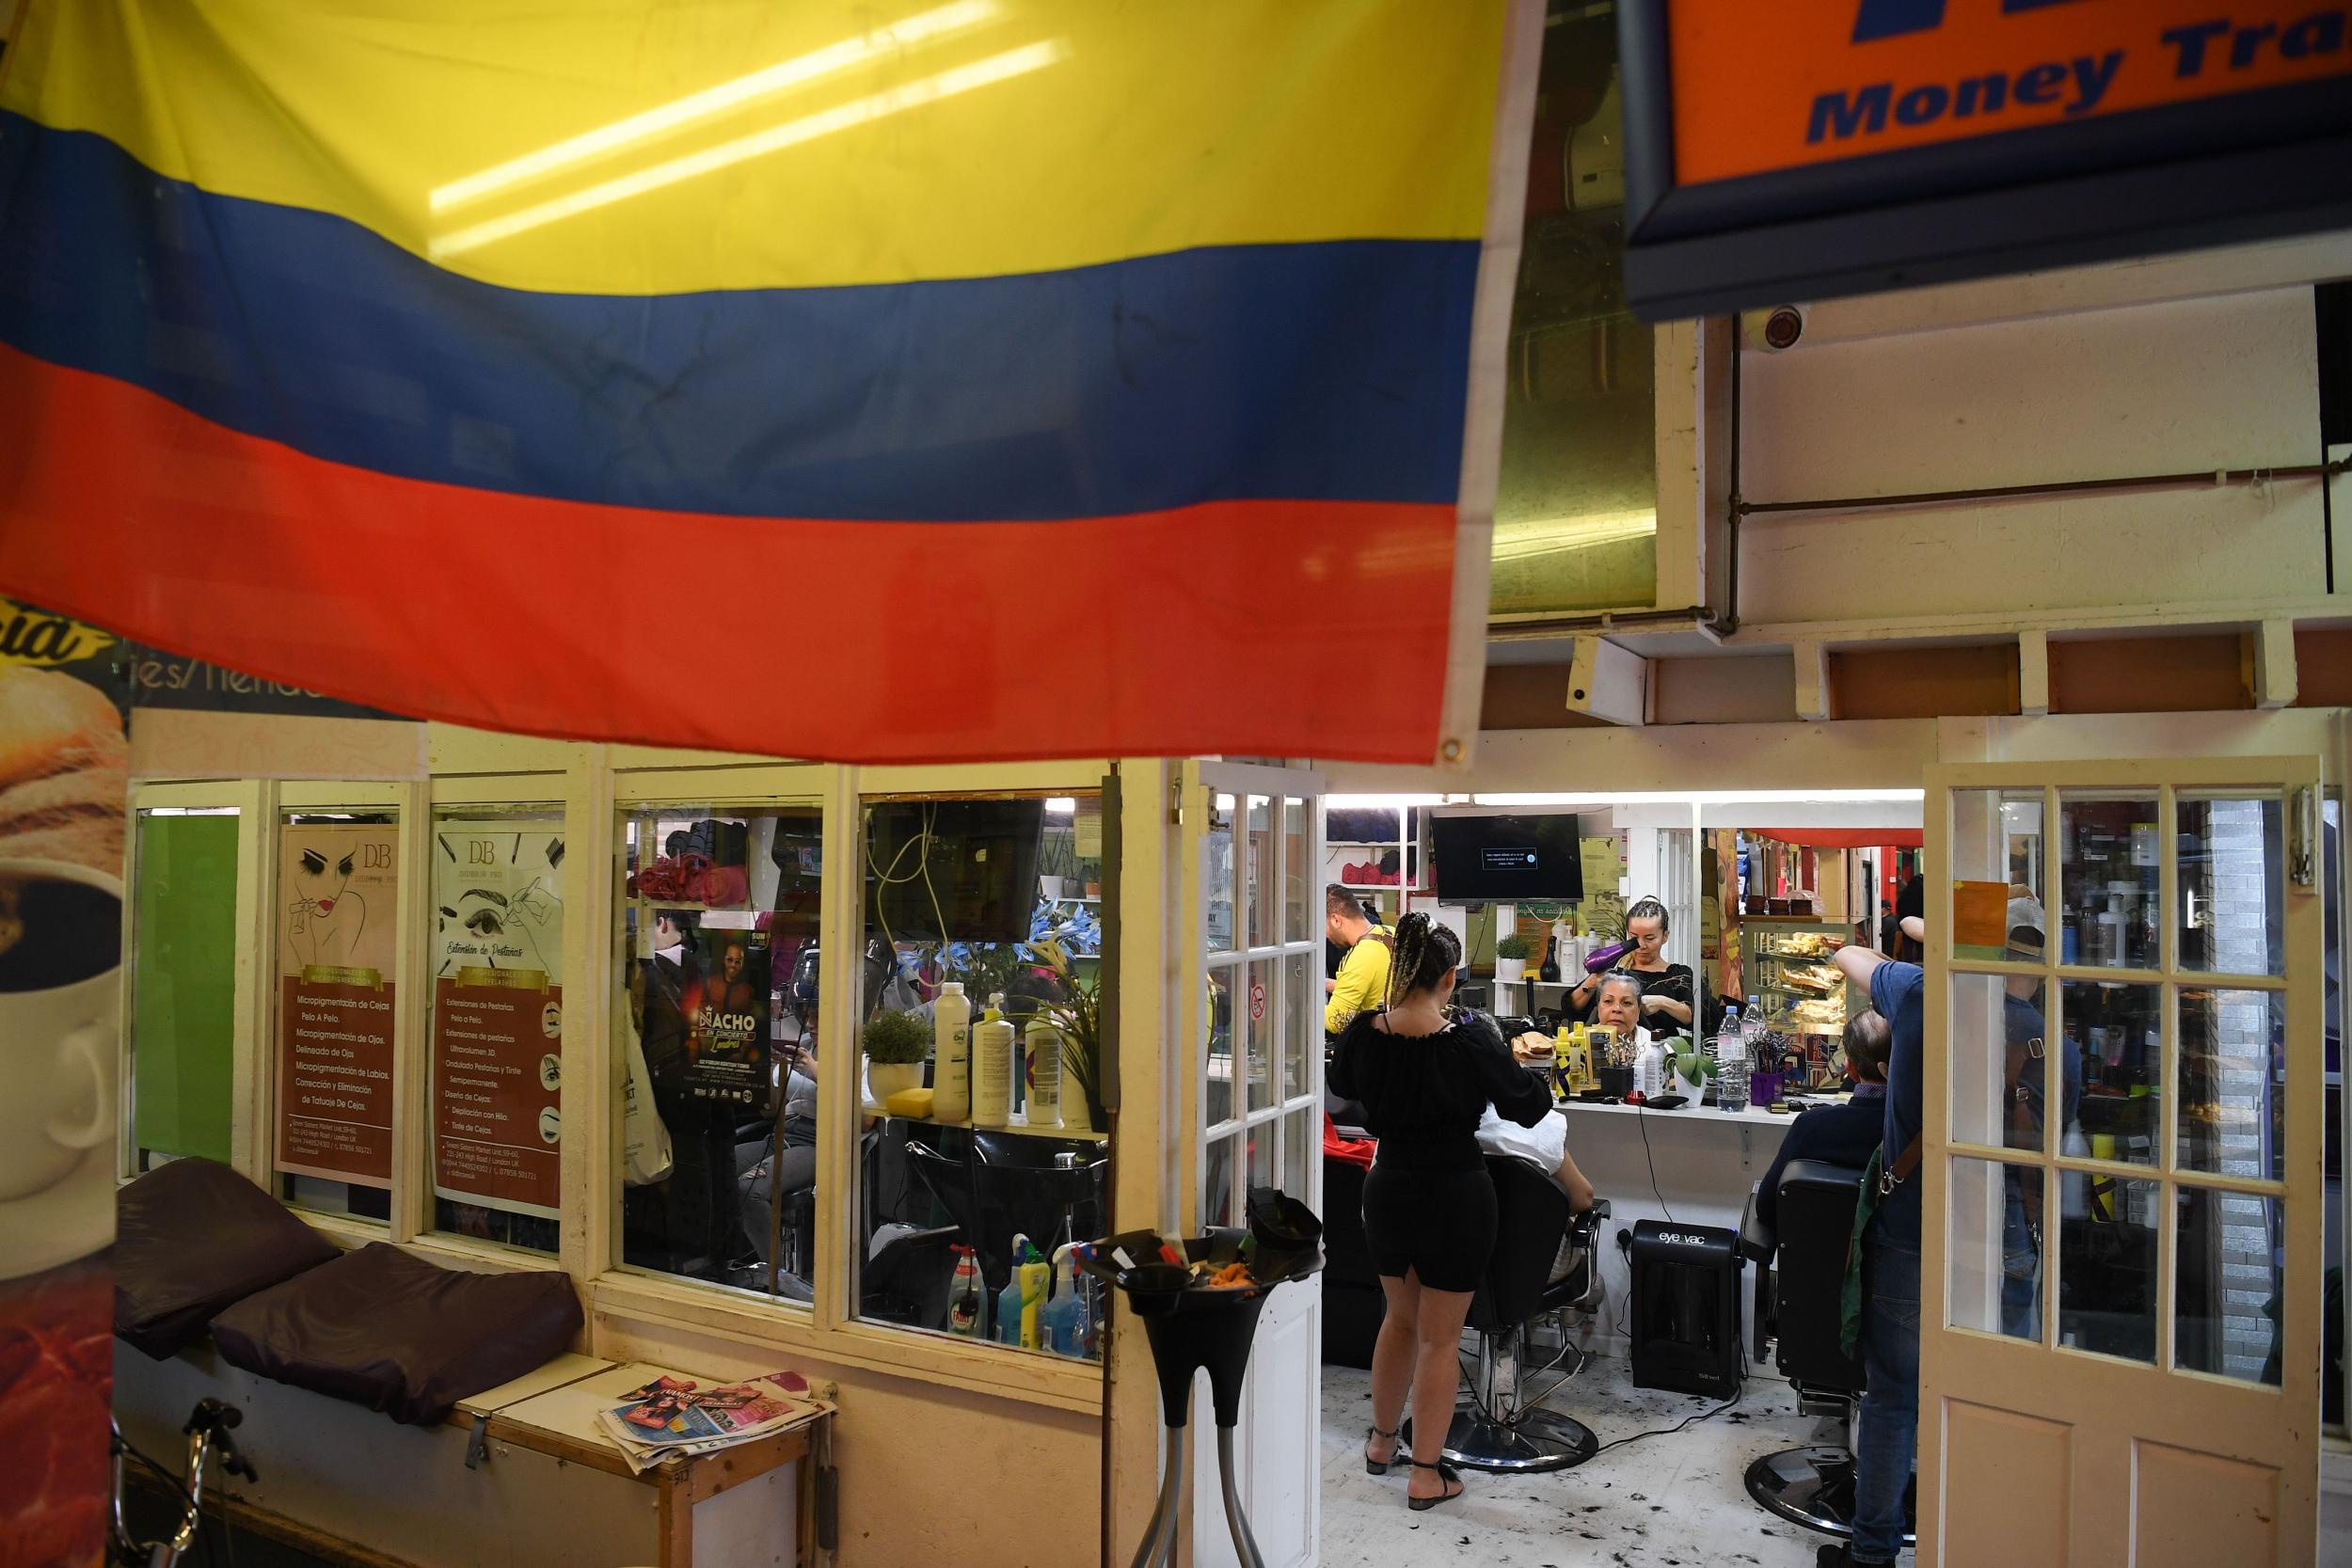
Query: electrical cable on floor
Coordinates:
[1686,1421]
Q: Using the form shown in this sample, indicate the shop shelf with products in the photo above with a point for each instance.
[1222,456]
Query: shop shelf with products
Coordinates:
[1787,965]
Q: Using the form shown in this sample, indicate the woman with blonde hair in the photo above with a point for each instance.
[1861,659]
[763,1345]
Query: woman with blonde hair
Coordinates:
[1425,1077]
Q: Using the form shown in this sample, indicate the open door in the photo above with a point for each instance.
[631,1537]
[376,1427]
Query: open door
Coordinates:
[1254,890]
[2120,1288]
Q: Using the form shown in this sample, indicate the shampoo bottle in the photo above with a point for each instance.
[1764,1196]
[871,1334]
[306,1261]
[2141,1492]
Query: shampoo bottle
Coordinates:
[992,1048]
[1063,1321]
[967,1302]
[1008,1325]
[1041,1045]
[951,1027]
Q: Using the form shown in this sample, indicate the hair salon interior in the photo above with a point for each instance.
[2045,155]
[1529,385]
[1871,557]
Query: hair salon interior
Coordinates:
[2000,627]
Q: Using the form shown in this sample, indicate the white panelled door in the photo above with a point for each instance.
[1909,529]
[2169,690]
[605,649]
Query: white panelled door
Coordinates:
[1255,1006]
[2121,1290]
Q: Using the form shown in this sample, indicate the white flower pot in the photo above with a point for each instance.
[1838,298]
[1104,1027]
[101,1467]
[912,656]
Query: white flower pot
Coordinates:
[884,1078]
[1510,971]
[1051,887]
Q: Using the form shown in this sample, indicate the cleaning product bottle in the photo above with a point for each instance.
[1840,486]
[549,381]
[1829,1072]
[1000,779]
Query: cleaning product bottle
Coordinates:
[1042,1047]
[992,1048]
[1007,1327]
[1062,1321]
[1649,1071]
[967,1303]
[951,1032]
[1033,1275]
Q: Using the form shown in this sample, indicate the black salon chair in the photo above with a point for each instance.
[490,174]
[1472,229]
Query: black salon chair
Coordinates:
[908,1278]
[1004,1184]
[1800,1282]
[1352,1301]
[1498,1426]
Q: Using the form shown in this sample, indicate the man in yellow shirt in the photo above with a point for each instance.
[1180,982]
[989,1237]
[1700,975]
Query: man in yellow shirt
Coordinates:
[1362,982]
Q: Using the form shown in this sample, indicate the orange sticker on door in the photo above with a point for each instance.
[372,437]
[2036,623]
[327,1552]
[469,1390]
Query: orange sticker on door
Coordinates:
[1980,915]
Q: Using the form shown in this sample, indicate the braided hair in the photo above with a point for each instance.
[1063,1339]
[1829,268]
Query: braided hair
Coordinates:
[1426,952]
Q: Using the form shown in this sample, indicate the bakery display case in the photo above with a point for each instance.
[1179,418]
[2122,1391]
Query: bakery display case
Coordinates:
[1789,966]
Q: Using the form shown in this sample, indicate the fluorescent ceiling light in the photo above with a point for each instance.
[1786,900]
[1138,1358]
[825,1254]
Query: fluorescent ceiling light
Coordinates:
[862,111]
[681,112]
[1061,805]
[1529,541]
[1702,797]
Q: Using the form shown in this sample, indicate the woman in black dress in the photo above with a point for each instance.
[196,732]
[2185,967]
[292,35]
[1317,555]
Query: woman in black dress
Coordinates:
[1425,1078]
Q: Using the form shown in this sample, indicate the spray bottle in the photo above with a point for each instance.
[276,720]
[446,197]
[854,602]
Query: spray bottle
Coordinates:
[1007,1322]
[994,1045]
[951,1027]
[1062,1321]
[967,1302]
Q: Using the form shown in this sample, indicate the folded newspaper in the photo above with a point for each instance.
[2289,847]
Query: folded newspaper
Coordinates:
[670,1416]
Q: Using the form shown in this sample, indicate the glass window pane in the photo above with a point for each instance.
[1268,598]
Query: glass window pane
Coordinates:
[2233,1062]
[337,901]
[1995,1267]
[2233,885]
[1260,879]
[2109,875]
[1220,1202]
[1216,873]
[2116,1031]
[1999,1062]
[183,966]
[1302,1142]
[1302,1005]
[1576,516]
[495,1072]
[1298,878]
[2229,1285]
[1996,839]
[717,1032]
[1258,1005]
[2108,1270]
[1261,1139]
[1218,1088]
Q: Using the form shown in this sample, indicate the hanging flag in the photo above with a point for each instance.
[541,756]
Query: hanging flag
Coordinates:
[1010,378]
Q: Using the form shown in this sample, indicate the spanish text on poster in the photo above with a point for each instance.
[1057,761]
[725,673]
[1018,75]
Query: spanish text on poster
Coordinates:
[498,1016]
[337,884]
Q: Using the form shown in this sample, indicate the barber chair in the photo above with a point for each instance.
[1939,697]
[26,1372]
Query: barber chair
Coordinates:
[1801,1278]
[1498,1426]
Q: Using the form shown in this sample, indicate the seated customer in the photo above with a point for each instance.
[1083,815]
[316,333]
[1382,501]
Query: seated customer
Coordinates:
[1840,1134]
[1617,1004]
[1543,1145]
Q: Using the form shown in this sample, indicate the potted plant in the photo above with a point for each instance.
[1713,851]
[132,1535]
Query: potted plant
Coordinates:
[1511,959]
[1075,1008]
[897,1043]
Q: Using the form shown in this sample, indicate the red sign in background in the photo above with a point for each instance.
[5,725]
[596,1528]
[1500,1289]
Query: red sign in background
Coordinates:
[335,1080]
[495,1092]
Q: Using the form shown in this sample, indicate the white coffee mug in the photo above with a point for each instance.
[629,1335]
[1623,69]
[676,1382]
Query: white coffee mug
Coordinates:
[58,1047]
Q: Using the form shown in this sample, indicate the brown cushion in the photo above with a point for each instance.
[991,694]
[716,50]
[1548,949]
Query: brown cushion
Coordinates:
[192,1237]
[397,1334]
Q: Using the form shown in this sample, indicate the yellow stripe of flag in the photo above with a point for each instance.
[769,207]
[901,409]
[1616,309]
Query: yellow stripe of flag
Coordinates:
[627,147]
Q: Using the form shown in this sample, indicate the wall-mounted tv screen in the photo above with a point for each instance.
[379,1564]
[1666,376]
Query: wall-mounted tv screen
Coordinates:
[1497,859]
[969,863]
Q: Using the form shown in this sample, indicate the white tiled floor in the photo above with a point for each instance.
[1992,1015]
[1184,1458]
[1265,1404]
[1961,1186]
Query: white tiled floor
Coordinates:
[1665,1502]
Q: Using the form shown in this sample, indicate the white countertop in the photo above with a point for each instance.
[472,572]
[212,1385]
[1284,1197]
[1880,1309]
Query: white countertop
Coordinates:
[1754,1116]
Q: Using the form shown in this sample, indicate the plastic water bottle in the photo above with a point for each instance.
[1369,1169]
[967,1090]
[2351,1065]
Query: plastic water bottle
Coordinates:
[1731,1062]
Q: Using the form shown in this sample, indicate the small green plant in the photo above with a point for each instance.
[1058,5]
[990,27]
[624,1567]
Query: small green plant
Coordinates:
[1512,946]
[896,1038]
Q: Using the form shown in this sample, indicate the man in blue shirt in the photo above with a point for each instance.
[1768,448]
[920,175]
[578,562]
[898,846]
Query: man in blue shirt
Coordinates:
[1839,1134]
[1889,1438]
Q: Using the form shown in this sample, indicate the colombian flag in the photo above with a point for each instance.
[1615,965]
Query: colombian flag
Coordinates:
[882,380]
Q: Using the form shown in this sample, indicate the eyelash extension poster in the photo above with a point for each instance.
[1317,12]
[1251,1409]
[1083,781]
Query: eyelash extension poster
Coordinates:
[498,1015]
[337,885]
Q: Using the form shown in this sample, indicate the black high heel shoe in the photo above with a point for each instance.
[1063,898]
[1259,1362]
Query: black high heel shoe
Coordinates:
[1448,1475]
[1378,1467]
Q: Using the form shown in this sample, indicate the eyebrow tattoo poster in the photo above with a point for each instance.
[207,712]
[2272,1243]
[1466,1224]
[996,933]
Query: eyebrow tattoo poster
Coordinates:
[338,884]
